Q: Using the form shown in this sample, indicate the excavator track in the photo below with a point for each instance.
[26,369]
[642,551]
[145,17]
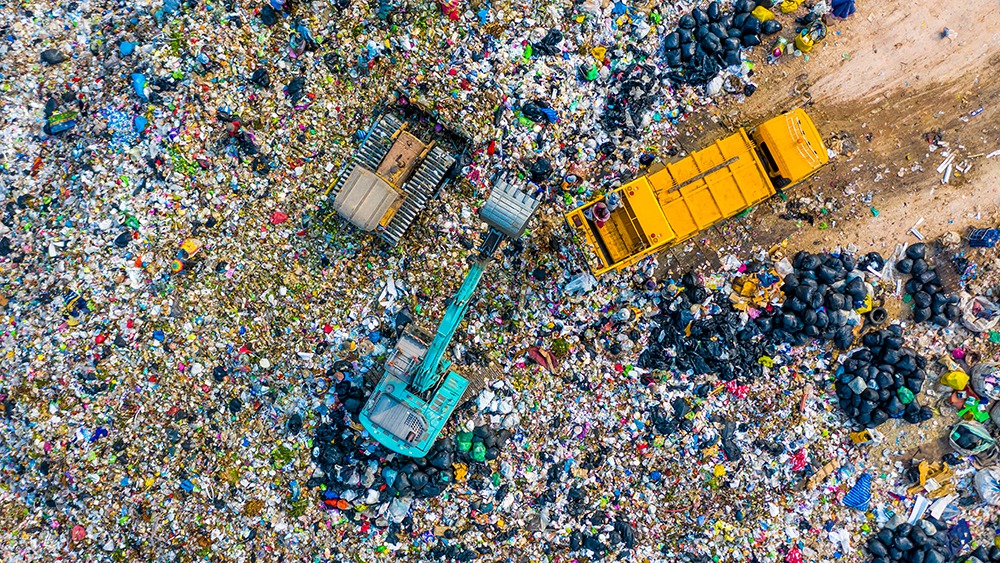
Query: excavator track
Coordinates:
[373,149]
[419,190]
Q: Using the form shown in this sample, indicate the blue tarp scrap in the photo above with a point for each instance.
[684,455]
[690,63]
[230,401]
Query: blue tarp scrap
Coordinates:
[860,495]
[842,8]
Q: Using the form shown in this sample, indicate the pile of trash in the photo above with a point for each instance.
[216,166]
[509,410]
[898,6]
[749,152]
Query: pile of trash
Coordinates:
[924,291]
[699,331]
[881,380]
[822,297]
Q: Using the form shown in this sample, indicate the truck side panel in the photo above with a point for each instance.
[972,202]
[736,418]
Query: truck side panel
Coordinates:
[710,185]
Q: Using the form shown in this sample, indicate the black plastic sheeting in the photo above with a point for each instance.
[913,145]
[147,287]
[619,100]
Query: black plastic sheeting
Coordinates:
[924,542]
[930,302]
[884,366]
[722,344]
[549,45]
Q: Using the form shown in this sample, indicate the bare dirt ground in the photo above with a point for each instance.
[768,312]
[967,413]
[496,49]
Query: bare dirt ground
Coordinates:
[876,87]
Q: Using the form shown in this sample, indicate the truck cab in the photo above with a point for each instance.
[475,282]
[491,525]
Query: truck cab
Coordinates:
[790,148]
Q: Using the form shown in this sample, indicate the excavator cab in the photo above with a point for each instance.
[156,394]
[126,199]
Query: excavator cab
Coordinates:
[418,392]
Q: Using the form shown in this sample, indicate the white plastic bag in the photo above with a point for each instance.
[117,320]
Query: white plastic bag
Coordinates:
[987,483]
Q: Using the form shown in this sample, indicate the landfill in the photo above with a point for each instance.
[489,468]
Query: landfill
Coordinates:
[198,322]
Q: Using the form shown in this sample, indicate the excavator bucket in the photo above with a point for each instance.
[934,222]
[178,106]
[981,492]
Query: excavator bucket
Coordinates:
[508,209]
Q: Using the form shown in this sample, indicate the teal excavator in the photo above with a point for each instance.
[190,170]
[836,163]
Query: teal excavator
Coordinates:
[418,391]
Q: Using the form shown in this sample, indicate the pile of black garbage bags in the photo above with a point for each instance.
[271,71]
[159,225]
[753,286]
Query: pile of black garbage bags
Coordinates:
[726,343]
[819,297]
[923,542]
[881,380]
[982,554]
[929,300]
[707,40]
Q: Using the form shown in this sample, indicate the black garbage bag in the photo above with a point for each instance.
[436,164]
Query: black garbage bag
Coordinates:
[711,44]
[699,70]
[916,251]
[701,32]
[672,41]
[267,14]
[751,26]
[549,45]
[904,266]
[919,267]
[53,57]
[737,23]
[673,58]
[731,57]
[922,300]
[533,112]
[418,480]
[952,312]
[877,548]
[687,21]
[123,239]
[295,423]
[700,17]
[856,289]
[750,40]
[295,88]
[811,262]
[843,338]
[714,12]
[260,78]
[731,44]
[688,50]
[235,405]
[770,27]
[442,460]
[872,260]
[744,6]
[685,36]
[541,170]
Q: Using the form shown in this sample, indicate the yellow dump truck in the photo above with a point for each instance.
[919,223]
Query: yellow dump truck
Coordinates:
[667,207]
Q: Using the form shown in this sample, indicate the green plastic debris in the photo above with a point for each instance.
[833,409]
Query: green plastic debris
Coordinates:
[281,455]
[479,451]
[874,211]
[905,395]
[463,441]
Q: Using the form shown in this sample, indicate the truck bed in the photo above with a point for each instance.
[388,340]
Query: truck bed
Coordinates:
[710,185]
